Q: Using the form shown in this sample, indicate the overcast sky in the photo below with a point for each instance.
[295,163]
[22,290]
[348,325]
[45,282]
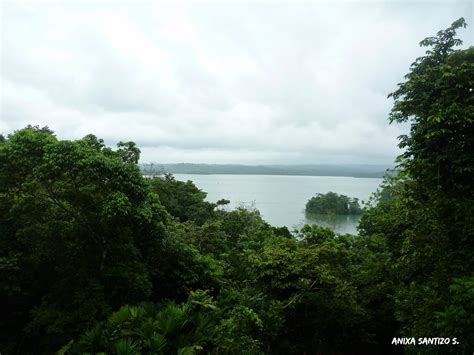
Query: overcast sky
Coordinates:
[249,82]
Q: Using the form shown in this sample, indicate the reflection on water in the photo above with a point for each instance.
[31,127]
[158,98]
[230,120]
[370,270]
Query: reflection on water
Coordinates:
[339,223]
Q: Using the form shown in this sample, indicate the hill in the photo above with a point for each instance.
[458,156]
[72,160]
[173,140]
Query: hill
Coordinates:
[352,170]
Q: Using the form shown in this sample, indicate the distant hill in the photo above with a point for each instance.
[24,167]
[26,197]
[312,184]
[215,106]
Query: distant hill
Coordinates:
[352,170]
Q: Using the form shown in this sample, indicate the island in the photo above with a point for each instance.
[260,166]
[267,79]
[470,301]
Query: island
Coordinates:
[332,203]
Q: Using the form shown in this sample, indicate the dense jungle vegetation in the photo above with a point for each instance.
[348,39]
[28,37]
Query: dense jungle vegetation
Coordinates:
[94,257]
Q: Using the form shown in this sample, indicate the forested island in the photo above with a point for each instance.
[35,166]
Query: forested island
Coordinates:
[97,258]
[333,204]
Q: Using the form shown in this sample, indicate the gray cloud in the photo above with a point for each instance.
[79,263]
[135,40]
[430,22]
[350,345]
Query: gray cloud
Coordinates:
[218,82]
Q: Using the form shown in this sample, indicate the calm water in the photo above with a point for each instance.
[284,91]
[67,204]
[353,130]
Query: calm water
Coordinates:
[281,199]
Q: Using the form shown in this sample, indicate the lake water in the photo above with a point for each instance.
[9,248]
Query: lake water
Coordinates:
[281,199]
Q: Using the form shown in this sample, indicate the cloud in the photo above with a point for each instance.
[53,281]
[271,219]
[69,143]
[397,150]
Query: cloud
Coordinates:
[218,82]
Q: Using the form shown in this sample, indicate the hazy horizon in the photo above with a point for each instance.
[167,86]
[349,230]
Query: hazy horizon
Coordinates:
[260,83]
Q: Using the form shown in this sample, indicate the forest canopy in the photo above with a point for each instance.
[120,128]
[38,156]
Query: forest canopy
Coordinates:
[95,257]
[333,203]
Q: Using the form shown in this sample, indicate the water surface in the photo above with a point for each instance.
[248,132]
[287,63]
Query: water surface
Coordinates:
[281,199]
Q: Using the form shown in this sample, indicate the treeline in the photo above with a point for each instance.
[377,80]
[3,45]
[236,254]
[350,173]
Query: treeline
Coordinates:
[351,170]
[94,257]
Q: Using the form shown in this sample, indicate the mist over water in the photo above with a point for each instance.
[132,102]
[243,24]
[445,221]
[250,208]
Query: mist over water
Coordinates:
[281,200]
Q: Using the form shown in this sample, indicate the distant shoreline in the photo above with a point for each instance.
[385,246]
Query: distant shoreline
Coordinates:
[348,170]
[248,174]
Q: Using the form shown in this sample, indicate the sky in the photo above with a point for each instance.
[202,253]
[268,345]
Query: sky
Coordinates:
[249,82]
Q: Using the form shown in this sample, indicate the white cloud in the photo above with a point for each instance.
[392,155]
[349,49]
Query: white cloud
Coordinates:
[218,82]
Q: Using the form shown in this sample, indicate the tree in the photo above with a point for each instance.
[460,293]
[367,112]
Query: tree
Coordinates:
[129,152]
[158,329]
[183,200]
[428,216]
[437,100]
[78,223]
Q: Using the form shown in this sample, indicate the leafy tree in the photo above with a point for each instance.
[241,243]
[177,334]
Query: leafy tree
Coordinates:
[183,200]
[129,152]
[310,279]
[149,328]
[193,327]
[74,221]
[426,212]
[437,100]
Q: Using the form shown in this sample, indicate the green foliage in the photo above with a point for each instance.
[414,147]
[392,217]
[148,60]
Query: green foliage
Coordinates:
[458,315]
[188,328]
[129,152]
[426,212]
[222,202]
[437,100]
[73,215]
[183,200]
[333,203]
